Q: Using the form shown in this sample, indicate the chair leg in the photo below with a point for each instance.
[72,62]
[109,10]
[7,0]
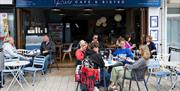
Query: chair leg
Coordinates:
[57,66]
[34,75]
[121,88]
[130,85]
[77,86]
[148,78]
[145,85]
[138,85]
[64,55]
[49,67]
[43,74]
[70,56]
[158,83]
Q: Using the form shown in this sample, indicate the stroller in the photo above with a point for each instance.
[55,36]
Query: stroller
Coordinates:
[86,76]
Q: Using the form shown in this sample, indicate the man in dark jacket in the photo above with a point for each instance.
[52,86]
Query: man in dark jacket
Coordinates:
[47,49]
[98,62]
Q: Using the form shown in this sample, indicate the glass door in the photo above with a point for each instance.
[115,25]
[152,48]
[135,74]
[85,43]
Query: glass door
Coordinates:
[173,31]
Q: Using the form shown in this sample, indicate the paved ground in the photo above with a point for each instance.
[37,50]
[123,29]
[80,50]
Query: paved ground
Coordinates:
[63,80]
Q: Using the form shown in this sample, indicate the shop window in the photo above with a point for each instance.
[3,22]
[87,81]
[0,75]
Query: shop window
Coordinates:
[173,32]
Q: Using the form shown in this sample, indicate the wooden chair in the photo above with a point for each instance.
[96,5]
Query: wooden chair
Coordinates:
[59,53]
[68,51]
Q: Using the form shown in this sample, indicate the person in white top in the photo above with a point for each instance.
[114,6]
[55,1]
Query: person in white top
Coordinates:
[10,51]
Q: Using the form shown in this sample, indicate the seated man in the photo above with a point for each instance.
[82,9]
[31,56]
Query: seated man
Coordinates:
[125,55]
[123,52]
[47,49]
[10,51]
[98,62]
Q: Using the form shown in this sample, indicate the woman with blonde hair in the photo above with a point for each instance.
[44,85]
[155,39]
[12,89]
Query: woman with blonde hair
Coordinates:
[118,72]
[80,53]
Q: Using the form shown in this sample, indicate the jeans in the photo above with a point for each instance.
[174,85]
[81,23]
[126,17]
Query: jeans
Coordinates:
[104,73]
[47,62]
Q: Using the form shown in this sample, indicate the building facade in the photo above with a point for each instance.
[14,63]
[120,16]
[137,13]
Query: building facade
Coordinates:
[152,18]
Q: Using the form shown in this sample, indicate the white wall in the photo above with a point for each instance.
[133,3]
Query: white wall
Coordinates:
[155,12]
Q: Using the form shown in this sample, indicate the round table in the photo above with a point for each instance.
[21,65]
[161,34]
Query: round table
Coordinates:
[19,65]
[16,63]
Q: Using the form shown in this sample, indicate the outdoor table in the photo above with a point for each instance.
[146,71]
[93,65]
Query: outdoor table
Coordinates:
[19,65]
[110,63]
[174,65]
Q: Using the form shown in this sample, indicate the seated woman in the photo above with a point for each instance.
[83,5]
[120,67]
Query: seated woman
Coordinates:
[128,44]
[10,50]
[123,51]
[98,62]
[80,53]
[118,72]
[151,45]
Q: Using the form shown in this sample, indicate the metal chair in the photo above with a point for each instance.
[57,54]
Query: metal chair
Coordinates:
[154,69]
[68,51]
[136,75]
[38,65]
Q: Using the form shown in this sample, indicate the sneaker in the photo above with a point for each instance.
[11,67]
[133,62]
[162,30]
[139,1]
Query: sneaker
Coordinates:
[114,88]
[96,89]
[110,88]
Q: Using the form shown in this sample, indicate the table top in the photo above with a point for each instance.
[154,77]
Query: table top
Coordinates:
[174,64]
[30,54]
[16,63]
[110,63]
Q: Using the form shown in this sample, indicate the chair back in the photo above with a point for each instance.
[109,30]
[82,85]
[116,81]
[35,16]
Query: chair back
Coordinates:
[75,46]
[139,74]
[39,61]
[153,64]
[70,47]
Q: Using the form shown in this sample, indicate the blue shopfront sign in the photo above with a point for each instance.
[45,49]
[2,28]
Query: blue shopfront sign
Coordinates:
[87,3]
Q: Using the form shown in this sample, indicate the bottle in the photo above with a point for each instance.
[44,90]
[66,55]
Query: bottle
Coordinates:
[45,30]
[110,57]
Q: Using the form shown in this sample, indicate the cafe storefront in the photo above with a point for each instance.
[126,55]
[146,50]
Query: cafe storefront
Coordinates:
[71,20]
